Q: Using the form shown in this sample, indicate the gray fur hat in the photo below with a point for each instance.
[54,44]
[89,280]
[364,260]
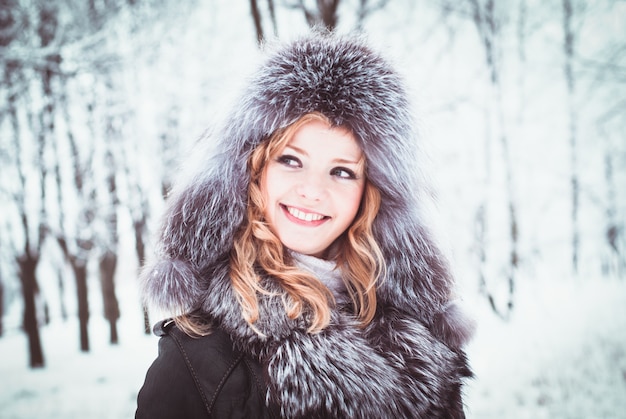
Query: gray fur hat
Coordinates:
[355,87]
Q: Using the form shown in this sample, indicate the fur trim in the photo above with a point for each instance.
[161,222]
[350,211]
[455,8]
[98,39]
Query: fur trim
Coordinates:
[454,325]
[344,371]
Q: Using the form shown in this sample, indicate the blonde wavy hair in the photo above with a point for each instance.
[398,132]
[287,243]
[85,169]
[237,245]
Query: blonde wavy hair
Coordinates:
[257,249]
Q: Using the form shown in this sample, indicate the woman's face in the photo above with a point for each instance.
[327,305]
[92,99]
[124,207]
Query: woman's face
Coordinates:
[313,187]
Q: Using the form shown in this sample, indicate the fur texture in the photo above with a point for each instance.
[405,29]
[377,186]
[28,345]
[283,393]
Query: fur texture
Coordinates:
[408,362]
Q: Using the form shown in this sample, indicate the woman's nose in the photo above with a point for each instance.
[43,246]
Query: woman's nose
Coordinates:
[312,188]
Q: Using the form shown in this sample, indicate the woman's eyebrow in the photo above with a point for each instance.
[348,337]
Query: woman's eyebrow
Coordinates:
[346,161]
[296,149]
[341,160]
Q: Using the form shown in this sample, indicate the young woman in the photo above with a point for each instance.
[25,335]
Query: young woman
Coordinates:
[298,269]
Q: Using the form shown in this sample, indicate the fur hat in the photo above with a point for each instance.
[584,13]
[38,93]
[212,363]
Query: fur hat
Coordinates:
[355,87]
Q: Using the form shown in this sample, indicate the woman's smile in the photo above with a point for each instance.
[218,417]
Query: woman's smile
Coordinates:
[304,217]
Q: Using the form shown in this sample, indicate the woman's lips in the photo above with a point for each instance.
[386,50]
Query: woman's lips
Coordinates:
[304,217]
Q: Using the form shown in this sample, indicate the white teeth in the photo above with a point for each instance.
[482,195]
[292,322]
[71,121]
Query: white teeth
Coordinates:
[304,216]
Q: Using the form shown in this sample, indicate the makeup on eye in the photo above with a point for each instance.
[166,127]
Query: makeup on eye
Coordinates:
[289,160]
[341,172]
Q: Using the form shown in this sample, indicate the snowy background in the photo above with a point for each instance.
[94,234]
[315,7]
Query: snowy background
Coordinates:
[508,114]
[562,356]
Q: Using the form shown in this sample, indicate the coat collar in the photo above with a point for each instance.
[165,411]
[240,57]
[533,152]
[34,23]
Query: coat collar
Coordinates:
[395,367]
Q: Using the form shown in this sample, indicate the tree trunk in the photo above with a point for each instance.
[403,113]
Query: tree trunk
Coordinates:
[61,285]
[29,259]
[568,48]
[325,14]
[328,13]
[78,256]
[28,266]
[140,247]
[615,262]
[108,263]
[80,273]
[139,208]
[1,307]
[272,10]
[256,17]
[110,240]
[366,9]
[59,192]
[487,25]
[511,205]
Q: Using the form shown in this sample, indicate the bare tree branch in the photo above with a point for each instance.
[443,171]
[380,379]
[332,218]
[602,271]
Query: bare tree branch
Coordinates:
[256,17]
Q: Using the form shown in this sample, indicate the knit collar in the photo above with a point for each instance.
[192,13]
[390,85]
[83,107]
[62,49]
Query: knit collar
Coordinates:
[324,270]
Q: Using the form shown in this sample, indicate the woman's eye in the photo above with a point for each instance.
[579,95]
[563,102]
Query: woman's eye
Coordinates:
[289,161]
[343,173]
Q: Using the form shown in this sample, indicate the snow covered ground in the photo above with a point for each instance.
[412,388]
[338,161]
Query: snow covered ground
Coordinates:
[562,355]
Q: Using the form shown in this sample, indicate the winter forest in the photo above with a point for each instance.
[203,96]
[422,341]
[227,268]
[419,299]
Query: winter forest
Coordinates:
[522,112]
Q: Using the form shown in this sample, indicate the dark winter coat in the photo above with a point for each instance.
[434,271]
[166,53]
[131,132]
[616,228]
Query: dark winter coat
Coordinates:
[201,378]
[408,362]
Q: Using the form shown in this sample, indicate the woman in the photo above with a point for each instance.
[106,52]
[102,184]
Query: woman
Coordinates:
[300,274]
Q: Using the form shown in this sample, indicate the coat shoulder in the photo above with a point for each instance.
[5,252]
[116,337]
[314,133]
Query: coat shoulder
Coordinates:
[201,376]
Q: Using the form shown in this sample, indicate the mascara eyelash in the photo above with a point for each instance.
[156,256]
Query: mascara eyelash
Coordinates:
[285,159]
[351,173]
